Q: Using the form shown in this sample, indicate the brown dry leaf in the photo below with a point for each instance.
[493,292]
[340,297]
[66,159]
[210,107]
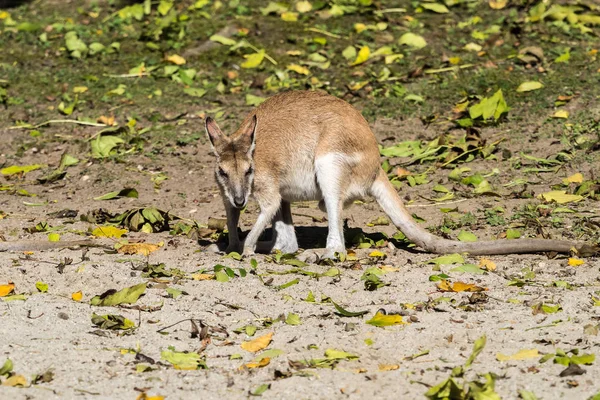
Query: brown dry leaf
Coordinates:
[254,364]
[77,296]
[6,289]
[258,343]
[139,248]
[15,380]
[401,172]
[487,264]
[388,367]
[446,286]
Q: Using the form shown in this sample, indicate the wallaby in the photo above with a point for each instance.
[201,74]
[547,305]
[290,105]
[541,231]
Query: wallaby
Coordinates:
[308,145]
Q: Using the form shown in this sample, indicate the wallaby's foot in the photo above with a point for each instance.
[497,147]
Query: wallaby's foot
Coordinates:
[308,256]
[286,247]
[233,247]
[249,251]
[333,253]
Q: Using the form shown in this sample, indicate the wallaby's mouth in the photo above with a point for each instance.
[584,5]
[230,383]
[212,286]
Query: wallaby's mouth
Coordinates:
[239,204]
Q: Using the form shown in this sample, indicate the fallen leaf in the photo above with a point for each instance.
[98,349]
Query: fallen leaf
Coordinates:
[498,4]
[263,362]
[529,86]
[487,264]
[362,56]
[23,169]
[446,286]
[258,343]
[203,277]
[412,40]
[176,59]
[575,178]
[303,6]
[144,396]
[299,69]
[380,319]
[253,60]
[109,231]
[564,114]
[388,367]
[183,361]
[520,355]
[77,296]
[125,296]
[41,287]
[139,248]
[15,380]
[560,197]
[575,262]
[6,289]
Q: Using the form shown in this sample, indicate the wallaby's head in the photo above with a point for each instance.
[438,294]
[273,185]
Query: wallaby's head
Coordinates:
[235,160]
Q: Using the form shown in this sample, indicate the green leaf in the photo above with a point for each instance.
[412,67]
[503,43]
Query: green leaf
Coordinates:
[7,367]
[333,354]
[435,7]
[293,319]
[194,92]
[529,86]
[125,296]
[527,395]
[513,234]
[465,236]
[127,192]
[253,100]
[261,389]
[345,313]
[102,145]
[288,284]
[112,322]
[174,293]
[41,287]
[560,197]
[477,348]
[181,360]
[8,171]
[253,60]
[447,259]
[412,40]
[223,40]
[349,53]
[96,48]
[469,268]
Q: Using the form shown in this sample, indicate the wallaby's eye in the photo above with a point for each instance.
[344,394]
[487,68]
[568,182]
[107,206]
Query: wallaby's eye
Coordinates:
[222,173]
[249,171]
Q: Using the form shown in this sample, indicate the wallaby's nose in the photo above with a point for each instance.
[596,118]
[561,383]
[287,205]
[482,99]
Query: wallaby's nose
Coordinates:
[239,201]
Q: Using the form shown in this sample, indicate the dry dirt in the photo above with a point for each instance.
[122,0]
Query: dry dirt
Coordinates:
[50,331]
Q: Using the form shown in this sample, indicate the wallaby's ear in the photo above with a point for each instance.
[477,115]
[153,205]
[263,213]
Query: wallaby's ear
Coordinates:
[216,137]
[247,134]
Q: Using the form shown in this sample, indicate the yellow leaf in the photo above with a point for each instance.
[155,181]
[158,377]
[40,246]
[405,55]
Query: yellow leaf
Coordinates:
[202,277]
[6,289]
[15,380]
[377,254]
[446,286]
[564,114]
[520,355]
[54,237]
[299,69]
[4,15]
[380,319]
[289,16]
[139,248]
[144,396]
[357,86]
[358,27]
[560,197]
[487,264]
[253,60]
[109,231]
[262,363]
[575,262]
[294,52]
[77,296]
[362,56]
[176,59]
[258,343]
[498,4]
[575,178]
[106,120]
[388,367]
[529,86]
[303,6]
[80,89]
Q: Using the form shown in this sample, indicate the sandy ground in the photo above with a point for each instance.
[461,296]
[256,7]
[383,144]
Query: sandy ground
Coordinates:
[50,331]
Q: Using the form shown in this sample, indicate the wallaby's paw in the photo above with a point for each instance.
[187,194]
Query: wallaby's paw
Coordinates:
[232,248]
[249,251]
[308,256]
[334,253]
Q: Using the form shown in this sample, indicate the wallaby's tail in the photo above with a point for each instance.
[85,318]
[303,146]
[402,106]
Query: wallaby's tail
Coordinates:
[387,197]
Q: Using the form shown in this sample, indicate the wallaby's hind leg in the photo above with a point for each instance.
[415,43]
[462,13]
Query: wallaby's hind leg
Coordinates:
[330,176]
